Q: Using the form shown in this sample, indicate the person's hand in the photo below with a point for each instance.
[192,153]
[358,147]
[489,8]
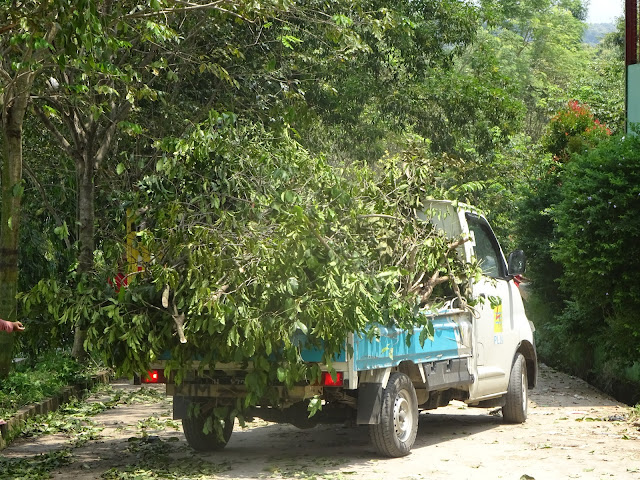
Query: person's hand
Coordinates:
[18,326]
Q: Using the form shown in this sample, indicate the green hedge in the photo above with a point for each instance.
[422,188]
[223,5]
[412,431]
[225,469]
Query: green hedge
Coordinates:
[34,380]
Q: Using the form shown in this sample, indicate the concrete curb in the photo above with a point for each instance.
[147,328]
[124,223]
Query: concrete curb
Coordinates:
[17,421]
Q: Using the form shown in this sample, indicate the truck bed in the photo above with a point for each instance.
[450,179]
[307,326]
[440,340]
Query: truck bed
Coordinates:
[451,340]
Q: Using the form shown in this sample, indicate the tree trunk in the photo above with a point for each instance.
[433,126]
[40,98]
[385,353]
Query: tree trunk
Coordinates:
[85,169]
[12,120]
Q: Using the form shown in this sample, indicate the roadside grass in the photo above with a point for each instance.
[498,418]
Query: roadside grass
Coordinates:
[34,380]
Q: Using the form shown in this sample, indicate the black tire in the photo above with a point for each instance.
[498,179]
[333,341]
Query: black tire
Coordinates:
[298,416]
[193,427]
[396,433]
[515,407]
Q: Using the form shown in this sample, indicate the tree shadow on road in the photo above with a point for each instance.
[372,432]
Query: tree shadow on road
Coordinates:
[262,451]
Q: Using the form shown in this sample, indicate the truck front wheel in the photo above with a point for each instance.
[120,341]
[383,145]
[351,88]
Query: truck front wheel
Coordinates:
[395,434]
[193,427]
[515,407]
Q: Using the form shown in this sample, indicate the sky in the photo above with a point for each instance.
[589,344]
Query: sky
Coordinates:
[605,11]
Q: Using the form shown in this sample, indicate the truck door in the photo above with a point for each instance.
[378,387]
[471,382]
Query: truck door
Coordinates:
[494,329]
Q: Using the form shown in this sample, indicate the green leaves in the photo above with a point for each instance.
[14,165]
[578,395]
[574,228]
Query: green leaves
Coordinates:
[594,224]
[35,468]
[62,231]
[258,239]
[342,20]
[315,405]
[289,41]
[267,250]
[18,189]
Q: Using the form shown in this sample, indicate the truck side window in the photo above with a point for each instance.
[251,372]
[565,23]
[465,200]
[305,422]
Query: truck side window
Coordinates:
[487,249]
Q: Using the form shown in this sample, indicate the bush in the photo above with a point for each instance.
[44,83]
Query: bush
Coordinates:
[573,130]
[597,226]
[37,379]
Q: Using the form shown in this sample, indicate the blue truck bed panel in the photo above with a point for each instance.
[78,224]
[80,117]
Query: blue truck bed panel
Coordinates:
[391,348]
[451,340]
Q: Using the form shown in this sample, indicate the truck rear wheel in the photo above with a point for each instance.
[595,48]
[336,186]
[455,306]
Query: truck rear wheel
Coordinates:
[515,407]
[193,427]
[396,433]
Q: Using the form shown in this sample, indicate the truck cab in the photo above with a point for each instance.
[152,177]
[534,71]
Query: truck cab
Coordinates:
[501,327]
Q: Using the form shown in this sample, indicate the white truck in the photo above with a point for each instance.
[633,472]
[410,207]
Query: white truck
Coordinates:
[484,356]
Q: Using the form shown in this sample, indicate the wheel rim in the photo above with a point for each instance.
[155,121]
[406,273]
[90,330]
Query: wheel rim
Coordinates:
[402,416]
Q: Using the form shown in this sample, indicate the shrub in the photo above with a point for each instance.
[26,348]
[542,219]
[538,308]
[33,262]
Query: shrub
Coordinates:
[597,227]
[572,130]
[39,378]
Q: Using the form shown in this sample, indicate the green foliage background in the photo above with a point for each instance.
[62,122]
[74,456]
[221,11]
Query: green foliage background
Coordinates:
[275,175]
[596,223]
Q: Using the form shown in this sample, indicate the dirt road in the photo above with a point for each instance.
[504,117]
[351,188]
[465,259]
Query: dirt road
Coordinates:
[573,432]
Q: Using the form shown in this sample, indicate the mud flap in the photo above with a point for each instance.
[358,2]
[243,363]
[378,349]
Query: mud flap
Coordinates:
[369,403]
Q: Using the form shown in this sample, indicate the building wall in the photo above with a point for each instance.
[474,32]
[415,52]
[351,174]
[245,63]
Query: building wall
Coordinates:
[633,98]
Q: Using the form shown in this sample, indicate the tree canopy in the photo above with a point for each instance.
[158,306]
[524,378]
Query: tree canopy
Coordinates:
[264,161]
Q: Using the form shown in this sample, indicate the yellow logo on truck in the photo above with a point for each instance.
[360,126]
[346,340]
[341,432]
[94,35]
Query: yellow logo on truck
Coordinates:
[497,325]
[497,319]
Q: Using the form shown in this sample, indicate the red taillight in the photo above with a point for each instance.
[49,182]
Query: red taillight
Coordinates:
[328,381]
[154,376]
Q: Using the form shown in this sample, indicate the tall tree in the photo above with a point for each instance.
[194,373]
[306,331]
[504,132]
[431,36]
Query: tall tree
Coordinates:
[140,55]
[539,47]
[375,84]
[130,57]
[27,32]
[82,104]
[602,88]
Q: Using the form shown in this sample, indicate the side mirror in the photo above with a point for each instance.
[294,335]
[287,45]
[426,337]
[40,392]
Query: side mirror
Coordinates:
[517,262]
